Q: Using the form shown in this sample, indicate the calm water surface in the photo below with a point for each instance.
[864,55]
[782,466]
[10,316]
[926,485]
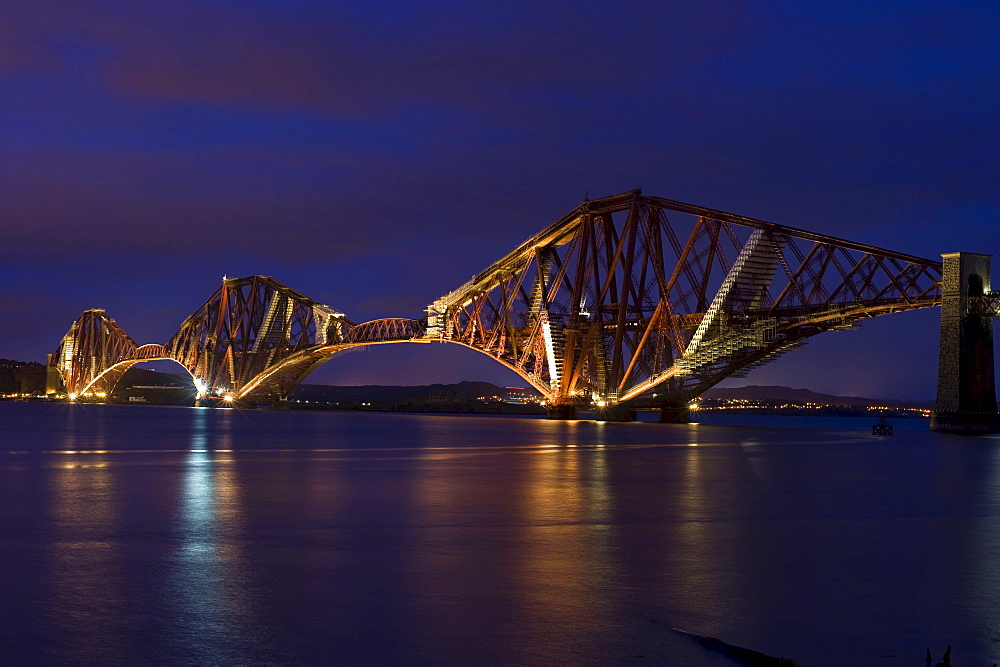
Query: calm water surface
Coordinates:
[136,534]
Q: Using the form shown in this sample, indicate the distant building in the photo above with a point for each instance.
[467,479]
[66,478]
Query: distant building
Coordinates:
[519,395]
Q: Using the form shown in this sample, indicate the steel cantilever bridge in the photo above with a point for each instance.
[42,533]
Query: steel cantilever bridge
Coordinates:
[622,295]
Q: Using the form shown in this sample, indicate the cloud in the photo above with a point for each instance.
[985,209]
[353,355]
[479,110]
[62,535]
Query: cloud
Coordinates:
[351,62]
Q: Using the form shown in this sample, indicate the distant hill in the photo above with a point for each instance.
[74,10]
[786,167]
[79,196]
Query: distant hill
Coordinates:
[373,393]
[141,385]
[12,374]
[136,376]
[467,397]
[458,395]
[470,391]
[788,394]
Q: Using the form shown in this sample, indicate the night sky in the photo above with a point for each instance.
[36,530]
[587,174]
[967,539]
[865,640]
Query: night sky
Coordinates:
[374,155]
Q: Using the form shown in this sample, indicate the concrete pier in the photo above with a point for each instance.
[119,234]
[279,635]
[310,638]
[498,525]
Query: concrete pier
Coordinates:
[675,413]
[562,411]
[966,392]
[615,413]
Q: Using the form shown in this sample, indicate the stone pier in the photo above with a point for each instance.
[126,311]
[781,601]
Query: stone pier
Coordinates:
[966,392]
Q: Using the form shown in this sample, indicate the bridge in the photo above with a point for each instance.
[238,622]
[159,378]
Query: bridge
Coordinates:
[620,297]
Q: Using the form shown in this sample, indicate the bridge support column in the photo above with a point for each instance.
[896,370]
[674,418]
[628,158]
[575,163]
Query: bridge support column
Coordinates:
[966,392]
[562,411]
[53,381]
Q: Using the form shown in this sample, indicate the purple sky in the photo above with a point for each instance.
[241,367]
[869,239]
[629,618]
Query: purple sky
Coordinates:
[374,155]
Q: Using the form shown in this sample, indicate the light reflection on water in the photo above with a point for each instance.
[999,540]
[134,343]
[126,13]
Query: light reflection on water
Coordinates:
[203,536]
[86,561]
[704,566]
[207,587]
[568,567]
[977,536]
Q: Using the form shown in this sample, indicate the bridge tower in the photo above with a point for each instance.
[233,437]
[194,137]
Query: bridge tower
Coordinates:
[966,393]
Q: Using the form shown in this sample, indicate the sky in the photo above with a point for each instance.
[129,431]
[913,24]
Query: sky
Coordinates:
[374,155]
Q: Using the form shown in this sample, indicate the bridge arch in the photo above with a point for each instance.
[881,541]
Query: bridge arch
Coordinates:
[107,381]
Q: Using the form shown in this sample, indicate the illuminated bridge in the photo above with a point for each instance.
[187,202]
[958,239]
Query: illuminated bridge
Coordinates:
[621,297]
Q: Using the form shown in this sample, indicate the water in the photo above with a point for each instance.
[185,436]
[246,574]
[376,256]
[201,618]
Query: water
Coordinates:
[137,534]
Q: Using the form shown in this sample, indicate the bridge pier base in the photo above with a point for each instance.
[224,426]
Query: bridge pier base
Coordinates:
[675,413]
[615,413]
[562,411]
[966,392]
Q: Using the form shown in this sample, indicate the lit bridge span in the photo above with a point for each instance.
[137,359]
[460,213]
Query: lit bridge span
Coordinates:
[620,296]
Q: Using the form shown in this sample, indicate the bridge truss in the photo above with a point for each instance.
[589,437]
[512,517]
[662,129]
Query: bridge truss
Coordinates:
[252,333]
[620,296]
[630,292]
[253,339]
[96,352]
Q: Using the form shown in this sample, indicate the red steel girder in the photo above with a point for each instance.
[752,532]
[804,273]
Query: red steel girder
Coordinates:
[617,298]
[612,299]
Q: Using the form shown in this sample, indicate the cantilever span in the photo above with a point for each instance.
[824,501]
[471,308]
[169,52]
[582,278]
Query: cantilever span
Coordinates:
[621,295]
[254,338]
[96,352]
[629,292]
